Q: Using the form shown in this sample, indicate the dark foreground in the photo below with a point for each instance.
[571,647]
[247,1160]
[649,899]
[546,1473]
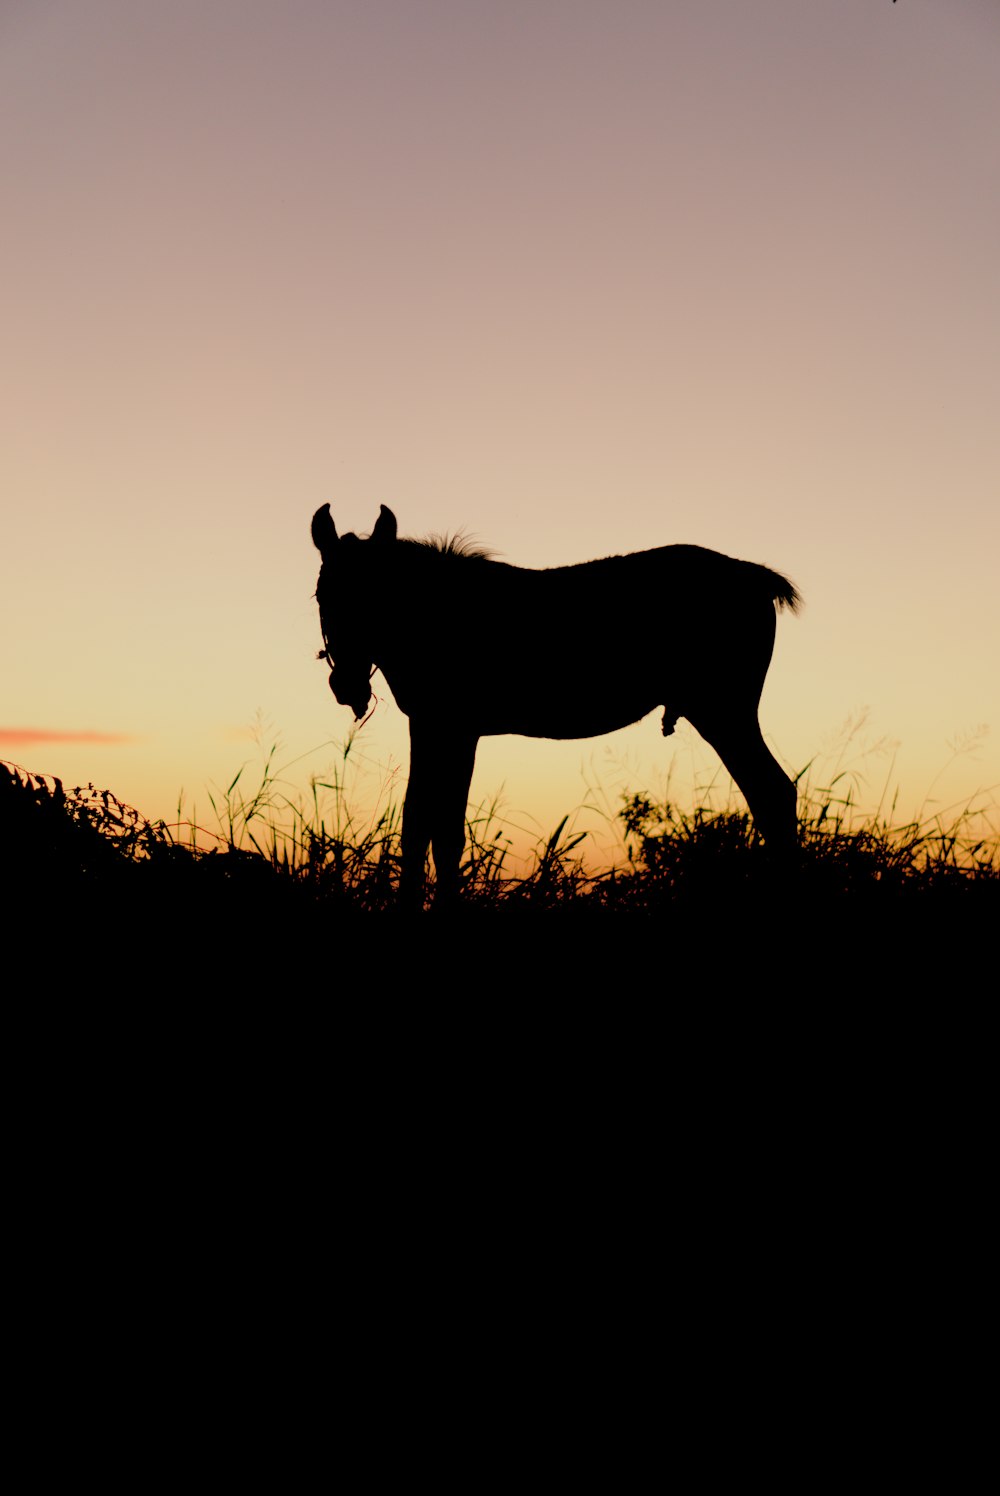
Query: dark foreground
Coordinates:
[701,908]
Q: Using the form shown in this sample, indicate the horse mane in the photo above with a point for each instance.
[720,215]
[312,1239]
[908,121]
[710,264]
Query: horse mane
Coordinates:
[458,544]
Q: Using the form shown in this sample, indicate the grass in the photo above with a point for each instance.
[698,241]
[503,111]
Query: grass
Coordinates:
[273,850]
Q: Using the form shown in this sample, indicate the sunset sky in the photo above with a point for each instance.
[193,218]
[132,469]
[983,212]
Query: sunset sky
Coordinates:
[579,277]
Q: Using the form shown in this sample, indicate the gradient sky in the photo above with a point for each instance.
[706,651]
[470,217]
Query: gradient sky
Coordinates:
[578,276]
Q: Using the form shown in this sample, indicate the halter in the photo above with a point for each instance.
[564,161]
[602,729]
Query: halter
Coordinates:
[324,654]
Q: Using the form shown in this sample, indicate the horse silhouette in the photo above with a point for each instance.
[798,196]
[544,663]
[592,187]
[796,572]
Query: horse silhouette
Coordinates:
[472,647]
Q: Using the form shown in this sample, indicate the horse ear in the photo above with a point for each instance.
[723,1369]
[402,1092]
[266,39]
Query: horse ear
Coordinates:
[324,531]
[385,525]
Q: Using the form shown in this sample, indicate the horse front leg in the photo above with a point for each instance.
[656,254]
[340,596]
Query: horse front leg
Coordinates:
[417,820]
[437,797]
[456,763]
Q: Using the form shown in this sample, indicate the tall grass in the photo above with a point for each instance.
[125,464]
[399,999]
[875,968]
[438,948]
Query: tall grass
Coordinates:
[336,847]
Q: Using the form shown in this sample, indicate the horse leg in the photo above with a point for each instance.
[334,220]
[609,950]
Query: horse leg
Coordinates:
[448,829]
[418,810]
[770,794]
[437,797]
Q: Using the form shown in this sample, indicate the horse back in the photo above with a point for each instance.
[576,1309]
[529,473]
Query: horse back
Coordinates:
[575,651]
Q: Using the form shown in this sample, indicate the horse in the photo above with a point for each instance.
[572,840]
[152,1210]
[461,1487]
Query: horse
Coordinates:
[472,647]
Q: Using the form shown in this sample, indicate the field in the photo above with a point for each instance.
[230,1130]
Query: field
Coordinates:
[693,1003]
[271,861]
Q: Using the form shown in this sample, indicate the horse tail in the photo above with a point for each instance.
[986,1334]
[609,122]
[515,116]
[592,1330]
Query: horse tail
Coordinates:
[784,593]
[780,591]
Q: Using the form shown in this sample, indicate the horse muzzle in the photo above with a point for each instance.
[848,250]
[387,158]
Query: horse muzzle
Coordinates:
[355,694]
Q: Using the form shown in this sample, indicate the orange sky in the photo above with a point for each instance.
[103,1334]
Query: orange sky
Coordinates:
[579,277]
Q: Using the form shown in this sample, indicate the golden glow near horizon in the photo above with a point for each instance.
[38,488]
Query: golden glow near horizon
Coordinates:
[579,278]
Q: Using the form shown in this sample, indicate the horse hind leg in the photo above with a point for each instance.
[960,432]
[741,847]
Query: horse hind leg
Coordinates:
[766,787]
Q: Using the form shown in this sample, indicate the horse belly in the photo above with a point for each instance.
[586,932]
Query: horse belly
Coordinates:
[593,725]
[553,715]
[581,693]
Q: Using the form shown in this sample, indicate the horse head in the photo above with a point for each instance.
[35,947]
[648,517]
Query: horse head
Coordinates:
[346,593]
